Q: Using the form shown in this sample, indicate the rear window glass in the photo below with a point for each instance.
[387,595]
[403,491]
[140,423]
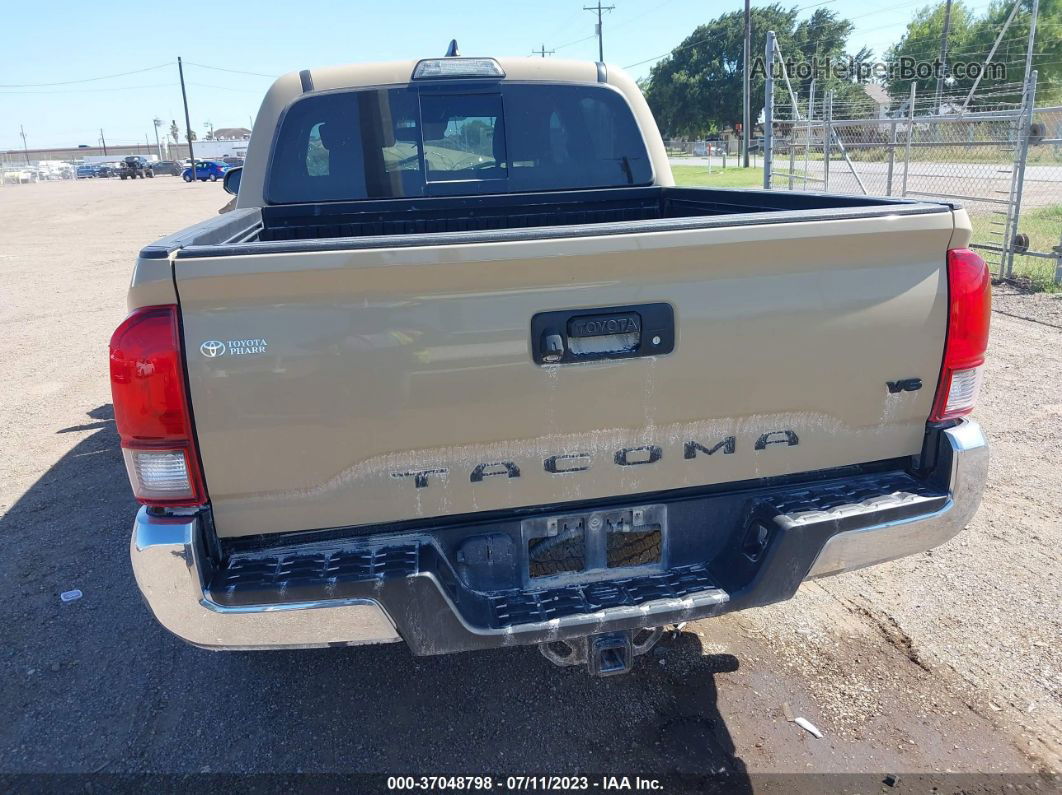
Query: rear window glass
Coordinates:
[392,143]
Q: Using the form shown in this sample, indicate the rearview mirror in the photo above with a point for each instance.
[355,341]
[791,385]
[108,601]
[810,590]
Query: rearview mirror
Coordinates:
[231,182]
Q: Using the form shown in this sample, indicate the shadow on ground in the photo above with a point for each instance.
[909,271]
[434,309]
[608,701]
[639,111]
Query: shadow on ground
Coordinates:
[98,685]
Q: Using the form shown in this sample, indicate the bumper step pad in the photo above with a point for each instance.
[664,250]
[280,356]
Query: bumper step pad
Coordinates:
[848,501]
[522,607]
[307,575]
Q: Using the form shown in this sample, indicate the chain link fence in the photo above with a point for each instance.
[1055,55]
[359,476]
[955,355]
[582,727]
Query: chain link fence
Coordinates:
[721,151]
[1038,242]
[1003,164]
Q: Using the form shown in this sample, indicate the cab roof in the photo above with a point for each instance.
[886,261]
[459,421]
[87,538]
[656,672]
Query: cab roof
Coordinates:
[359,75]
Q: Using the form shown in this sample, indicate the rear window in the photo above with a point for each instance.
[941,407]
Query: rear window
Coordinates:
[449,140]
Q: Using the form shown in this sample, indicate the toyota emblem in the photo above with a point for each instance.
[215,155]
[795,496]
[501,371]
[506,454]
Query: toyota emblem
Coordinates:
[212,349]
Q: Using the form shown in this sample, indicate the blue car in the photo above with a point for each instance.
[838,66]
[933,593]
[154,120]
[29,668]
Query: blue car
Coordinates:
[87,172]
[205,170]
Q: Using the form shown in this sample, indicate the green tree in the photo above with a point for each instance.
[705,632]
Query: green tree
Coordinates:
[822,39]
[920,43]
[697,89]
[1047,53]
[970,38]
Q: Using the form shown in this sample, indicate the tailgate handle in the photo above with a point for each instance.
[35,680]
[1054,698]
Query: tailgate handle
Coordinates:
[612,332]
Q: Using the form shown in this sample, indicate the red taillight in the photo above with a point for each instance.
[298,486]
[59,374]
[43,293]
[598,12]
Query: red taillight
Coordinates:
[969,313]
[151,409]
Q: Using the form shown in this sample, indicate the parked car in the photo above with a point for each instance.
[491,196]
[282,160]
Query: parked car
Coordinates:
[474,392]
[53,170]
[87,171]
[108,170]
[171,167]
[206,170]
[232,162]
[21,176]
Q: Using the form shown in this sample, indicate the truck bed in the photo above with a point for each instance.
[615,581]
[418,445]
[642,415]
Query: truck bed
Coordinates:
[410,222]
[524,211]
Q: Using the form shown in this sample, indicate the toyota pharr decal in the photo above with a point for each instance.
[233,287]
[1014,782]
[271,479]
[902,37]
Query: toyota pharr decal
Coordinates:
[212,349]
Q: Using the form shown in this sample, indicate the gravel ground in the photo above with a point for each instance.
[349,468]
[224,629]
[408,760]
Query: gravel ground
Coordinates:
[949,661]
[984,608]
[1043,308]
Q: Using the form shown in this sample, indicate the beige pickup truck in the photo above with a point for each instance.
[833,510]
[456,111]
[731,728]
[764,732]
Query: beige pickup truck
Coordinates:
[463,368]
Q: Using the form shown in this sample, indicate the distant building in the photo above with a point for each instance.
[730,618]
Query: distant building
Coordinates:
[219,148]
[231,134]
[227,142]
[90,154]
[880,97]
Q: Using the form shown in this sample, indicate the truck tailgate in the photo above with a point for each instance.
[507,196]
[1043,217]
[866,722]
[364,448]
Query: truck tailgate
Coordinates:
[354,387]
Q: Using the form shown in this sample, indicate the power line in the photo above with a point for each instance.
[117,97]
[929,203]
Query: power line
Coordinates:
[563,26]
[924,37]
[670,52]
[233,71]
[635,18]
[225,88]
[91,90]
[652,10]
[86,79]
[577,41]
[4,86]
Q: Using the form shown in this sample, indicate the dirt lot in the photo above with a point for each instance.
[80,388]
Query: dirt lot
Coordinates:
[948,662]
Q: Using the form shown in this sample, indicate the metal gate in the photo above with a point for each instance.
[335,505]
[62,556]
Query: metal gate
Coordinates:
[1004,166]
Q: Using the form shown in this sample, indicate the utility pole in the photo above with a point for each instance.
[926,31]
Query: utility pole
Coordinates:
[600,33]
[187,120]
[542,51]
[768,112]
[943,55]
[103,141]
[745,121]
[157,122]
[25,149]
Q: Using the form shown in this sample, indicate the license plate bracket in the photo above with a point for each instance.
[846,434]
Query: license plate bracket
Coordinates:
[597,544]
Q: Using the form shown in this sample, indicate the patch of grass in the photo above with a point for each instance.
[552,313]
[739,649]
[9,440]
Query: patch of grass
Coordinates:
[975,154]
[698,176]
[1043,226]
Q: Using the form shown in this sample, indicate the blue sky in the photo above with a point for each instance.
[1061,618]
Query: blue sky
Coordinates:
[76,41]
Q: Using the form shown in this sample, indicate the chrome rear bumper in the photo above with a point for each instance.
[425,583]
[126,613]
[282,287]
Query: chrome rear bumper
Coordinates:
[170,565]
[166,559]
[967,472]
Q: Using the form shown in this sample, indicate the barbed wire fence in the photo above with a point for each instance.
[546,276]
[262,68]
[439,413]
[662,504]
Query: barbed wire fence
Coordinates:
[1001,161]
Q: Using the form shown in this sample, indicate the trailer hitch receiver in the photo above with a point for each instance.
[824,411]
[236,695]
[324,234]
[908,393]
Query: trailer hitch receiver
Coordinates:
[606,654]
